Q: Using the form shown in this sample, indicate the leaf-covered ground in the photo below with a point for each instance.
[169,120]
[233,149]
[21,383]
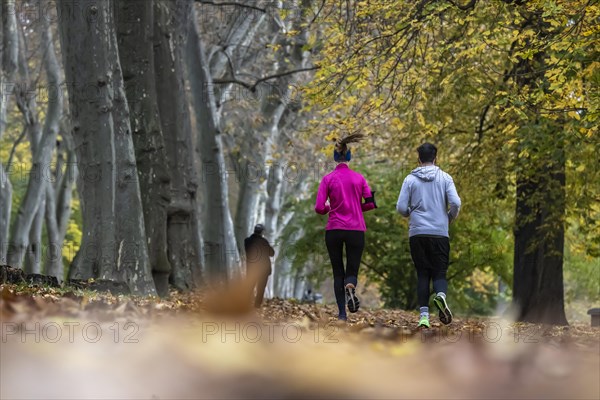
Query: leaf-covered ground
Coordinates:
[60,343]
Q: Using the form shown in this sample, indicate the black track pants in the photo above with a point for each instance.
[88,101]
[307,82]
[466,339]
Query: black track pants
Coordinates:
[430,256]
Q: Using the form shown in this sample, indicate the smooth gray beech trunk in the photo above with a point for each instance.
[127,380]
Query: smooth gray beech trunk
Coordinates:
[233,53]
[283,279]
[260,148]
[241,32]
[135,33]
[53,251]
[300,285]
[52,254]
[280,191]
[282,275]
[8,63]
[184,242]
[221,252]
[65,183]
[26,229]
[273,203]
[5,209]
[114,240]
[34,252]
[225,58]
[261,144]
[58,205]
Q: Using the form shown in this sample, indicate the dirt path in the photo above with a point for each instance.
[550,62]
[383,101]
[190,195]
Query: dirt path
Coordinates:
[58,344]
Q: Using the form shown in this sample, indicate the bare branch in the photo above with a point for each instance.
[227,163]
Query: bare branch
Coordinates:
[14,147]
[236,81]
[482,121]
[252,87]
[318,13]
[231,3]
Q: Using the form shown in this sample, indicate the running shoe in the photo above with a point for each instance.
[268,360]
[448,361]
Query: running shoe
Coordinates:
[424,322]
[351,300]
[445,314]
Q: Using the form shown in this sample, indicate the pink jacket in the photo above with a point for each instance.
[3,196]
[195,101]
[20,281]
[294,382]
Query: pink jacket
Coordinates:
[345,189]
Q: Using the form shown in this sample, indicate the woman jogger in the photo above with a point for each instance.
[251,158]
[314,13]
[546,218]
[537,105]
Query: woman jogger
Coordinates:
[340,194]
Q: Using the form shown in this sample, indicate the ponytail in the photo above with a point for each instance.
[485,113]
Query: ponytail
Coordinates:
[341,145]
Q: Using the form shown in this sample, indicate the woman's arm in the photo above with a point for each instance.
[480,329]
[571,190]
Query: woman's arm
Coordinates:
[369,197]
[320,206]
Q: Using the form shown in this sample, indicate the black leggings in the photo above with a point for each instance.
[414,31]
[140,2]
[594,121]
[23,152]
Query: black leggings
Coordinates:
[430,255]
[355,244]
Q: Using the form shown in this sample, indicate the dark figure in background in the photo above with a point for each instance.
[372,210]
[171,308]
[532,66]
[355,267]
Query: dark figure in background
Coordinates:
[311,297]
[258,262]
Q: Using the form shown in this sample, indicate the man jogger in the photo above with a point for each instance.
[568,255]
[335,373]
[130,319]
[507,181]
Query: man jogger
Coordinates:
[429,198]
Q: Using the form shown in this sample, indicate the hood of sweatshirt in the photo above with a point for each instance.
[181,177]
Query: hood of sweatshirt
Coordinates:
[427,173]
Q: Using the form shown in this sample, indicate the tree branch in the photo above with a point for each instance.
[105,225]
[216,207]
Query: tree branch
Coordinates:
[231,3]
[381,274]
[14,147]
[252,87]
[318,13]
[482,121]
[470,5]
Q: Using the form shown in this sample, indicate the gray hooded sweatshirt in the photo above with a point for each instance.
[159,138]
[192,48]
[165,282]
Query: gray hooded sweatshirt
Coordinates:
[429,197]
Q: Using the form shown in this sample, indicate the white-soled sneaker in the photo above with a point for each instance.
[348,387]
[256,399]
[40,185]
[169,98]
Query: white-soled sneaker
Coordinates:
[351,300]
[442,306]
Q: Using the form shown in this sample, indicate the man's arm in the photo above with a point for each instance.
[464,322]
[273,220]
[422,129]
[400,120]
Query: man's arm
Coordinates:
[453,200]
[402,206]
[320,205]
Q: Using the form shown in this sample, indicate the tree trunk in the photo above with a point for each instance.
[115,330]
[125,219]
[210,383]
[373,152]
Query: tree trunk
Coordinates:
[299,285]
[250,174]
[5,209]
[64,187]
[242,31]
[53,253]
[270,207]
[283,277]
[233,54]
[184,242]
[58,206]
[35,251]
[42,145]
[266,141]
[221,254]
[8,63]
[114,240]
[283,280]
[258,145]
[135,31]
[538,292]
